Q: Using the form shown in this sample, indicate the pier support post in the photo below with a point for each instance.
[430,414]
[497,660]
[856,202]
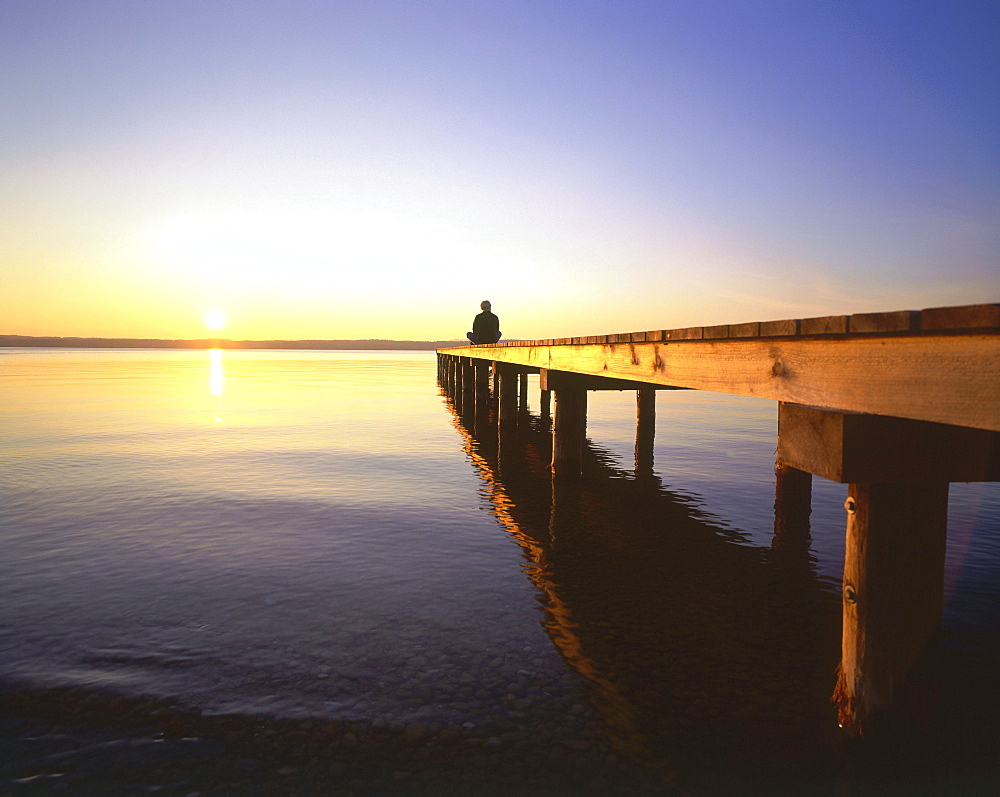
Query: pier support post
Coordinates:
[483,399]
[892,593]
[455,382]
[898,471]
[522,397]
[496,383]
[482,385]
[645,430]
[468,384]
[545,406]
[507,395]
[569,432]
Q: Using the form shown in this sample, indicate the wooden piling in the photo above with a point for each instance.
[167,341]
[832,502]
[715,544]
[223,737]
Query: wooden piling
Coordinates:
[545,405]
[468,384]
[645,429]
[892,594]
[522,397]
[496,381]
[507,376]
[482,385]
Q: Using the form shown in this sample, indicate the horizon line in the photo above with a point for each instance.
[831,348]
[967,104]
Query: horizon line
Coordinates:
[97,342]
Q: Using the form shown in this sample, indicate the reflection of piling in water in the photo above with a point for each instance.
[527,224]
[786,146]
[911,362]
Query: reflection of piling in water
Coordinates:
[908,398]
[677,630]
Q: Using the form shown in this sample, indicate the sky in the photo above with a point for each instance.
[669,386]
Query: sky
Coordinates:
[375,169]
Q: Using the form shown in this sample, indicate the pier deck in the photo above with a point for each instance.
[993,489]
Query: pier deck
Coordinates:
[940,365]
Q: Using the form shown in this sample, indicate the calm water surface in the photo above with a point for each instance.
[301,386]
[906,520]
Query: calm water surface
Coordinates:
[318,534]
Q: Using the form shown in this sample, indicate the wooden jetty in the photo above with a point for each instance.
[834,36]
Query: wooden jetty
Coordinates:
[897,405]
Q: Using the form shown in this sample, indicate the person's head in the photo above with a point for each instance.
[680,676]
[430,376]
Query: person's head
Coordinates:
[486,306]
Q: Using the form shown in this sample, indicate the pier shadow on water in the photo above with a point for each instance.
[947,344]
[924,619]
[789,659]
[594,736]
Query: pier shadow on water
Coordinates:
[710,659]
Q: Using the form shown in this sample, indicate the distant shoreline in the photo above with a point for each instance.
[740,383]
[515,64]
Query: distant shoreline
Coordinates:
[30,341]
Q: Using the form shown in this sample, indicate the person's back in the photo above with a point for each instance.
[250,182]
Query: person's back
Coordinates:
[485,326]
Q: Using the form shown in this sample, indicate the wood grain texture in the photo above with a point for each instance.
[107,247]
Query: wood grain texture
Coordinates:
[895,547]
[824,325]
[507,379]
[786,327]
[945,378]
[901,321]
[556,380]
[934,319]
[976,316]
[872,449]
[687,333]
[751,330]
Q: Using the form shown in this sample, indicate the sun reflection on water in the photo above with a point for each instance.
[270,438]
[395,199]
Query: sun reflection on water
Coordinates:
[215,377]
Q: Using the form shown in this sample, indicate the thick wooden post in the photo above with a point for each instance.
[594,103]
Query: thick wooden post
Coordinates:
[483,398]
[545,406]
[507,396]
[468,385]
[454,382]
[569,432]
[522,397]
[482,385]
[496,381]
[645,429]
[892,593]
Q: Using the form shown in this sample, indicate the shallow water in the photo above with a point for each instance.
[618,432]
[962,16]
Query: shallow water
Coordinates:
[318,534]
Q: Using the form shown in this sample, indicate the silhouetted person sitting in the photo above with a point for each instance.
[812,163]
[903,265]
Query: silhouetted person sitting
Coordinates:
[485,326]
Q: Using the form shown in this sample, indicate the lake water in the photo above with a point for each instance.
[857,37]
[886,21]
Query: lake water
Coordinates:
[320,536]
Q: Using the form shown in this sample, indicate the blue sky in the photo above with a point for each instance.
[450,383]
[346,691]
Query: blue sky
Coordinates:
[375,169]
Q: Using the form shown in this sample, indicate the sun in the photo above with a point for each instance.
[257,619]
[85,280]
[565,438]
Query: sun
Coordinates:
[215,319]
